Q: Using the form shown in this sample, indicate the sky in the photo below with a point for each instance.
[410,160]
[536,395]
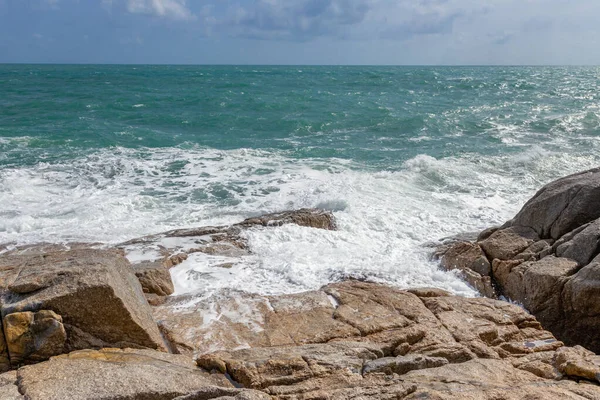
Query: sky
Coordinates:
[372,32]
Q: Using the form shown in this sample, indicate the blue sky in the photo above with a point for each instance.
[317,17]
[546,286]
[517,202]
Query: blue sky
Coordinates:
[301,31]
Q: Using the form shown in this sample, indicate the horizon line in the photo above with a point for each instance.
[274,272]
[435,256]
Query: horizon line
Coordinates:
[297,65]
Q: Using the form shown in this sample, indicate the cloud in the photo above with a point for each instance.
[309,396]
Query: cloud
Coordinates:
[293,19]
[302,20]
[171,9]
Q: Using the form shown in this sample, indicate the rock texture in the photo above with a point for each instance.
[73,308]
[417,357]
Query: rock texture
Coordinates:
[362,340]
[75,299]
[114,374]
[546,258]
[154,278]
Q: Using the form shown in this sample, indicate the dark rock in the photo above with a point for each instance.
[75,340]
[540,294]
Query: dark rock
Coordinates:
[562,205]
[583,246]
[33,337]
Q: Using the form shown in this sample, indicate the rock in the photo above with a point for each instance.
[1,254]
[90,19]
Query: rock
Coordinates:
[581,307]
[486,233]
[465,255]
[546,258]
[501,270]
[34,337]
[483,284]
[562,205]
[583,246]
[231,319]
[217,393]
[262,368]
[536,251]
[114,374]
[504,244]
[444,345]
[308,217]
[8,386]
[402,364]
[489,380]
[4,359]
[429,292]
[578,362]
[540,364]
[94,291]
[174,260]
[542,286]
[154,278]
[223,245]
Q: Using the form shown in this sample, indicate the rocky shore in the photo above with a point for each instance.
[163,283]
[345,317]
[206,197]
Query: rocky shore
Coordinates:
[87,321]
[546,258]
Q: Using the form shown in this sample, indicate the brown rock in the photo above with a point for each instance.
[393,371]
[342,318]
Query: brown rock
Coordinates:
[483,284]
[94,291]
[308,217]
[114,374]
[465,255]
[230,320]
[4,359]
[174,260]
[262,368]
[483,379]
[543,282]
[502,269]
[33,337]
[154,278]
[578,362]
[402,364]
[218,393]
[504,244]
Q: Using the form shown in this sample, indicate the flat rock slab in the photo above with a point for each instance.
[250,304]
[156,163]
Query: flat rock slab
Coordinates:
[115,374]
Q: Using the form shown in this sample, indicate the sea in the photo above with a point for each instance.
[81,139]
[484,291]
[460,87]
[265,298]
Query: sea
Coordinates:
[402,156]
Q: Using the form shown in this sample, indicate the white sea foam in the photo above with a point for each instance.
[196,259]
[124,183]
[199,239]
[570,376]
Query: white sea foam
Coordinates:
[384,217]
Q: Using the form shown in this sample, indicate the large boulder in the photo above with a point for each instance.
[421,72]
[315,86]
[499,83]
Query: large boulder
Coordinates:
[562,205]
[69,300]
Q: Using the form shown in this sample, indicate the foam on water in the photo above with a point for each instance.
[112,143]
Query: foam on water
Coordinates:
[384,217]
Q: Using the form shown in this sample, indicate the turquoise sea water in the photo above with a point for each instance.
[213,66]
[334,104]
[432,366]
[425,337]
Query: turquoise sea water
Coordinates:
[402,155]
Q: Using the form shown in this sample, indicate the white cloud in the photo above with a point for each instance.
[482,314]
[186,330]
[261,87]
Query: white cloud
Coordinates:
[172,9]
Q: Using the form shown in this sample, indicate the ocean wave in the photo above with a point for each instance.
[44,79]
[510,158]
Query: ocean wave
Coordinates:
[384,217]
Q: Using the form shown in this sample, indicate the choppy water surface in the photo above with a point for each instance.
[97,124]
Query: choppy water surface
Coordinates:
[402,155]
